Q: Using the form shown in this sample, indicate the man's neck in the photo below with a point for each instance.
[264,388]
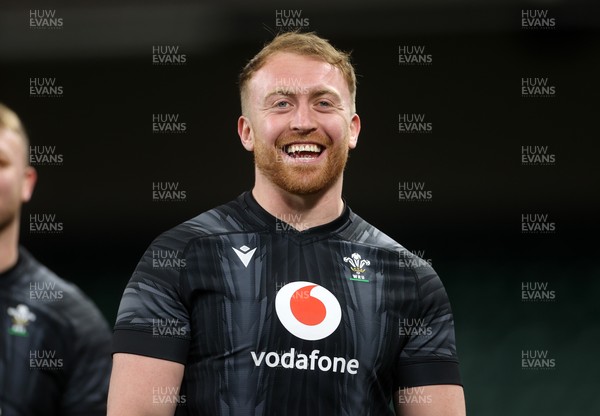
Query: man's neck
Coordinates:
[9,246]
[300,211]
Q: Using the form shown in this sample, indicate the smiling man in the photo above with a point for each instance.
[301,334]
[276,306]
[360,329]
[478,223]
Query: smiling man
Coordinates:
[284,301]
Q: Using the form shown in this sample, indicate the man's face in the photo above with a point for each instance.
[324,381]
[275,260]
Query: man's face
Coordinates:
[16,178]
[299,122]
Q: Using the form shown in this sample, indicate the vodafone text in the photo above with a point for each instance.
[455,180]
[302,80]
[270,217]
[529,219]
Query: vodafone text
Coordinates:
[303,362]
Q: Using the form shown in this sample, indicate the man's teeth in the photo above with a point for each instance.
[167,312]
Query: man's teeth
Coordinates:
[292,148]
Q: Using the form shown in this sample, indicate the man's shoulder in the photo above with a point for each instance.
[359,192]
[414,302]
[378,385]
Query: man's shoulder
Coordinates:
[365,233]
[223,219]
[54,296]
[361,231]
[36,275]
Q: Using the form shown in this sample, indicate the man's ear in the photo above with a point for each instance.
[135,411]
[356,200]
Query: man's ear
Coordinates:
[29,180]
[354,131]
[245,132]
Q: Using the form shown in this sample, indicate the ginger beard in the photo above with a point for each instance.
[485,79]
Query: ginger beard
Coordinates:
[297,177]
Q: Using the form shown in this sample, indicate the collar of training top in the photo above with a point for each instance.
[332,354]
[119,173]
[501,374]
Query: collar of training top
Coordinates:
[283,224]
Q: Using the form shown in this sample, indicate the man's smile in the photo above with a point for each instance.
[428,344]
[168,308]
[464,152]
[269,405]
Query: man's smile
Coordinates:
[303,151]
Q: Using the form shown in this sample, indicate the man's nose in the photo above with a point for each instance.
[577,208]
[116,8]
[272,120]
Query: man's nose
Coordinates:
[303,120]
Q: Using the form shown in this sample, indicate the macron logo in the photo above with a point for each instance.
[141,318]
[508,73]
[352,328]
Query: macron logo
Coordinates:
[245,254]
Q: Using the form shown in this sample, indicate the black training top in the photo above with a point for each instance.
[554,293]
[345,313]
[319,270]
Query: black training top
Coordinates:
[272,321]
[54,345]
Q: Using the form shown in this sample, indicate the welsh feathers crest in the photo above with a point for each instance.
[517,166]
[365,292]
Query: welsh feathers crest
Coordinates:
[21,317]
[357,264]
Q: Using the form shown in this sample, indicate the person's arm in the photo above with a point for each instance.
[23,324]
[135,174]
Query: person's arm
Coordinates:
[144,386]
[437,400]
[428,377]
[151,337]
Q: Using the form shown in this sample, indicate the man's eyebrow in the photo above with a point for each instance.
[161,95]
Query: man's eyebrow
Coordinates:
[291,91]
[280,91]
[325,91]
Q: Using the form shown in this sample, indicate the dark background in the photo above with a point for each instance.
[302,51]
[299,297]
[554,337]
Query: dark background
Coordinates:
[471,161]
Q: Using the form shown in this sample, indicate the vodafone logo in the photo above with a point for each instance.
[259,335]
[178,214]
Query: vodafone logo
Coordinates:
[307,310]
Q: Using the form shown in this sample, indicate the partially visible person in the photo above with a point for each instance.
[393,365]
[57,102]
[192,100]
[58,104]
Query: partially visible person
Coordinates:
[54,343]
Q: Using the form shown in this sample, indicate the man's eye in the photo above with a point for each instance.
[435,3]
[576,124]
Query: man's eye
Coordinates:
[282,104]
[324,104]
